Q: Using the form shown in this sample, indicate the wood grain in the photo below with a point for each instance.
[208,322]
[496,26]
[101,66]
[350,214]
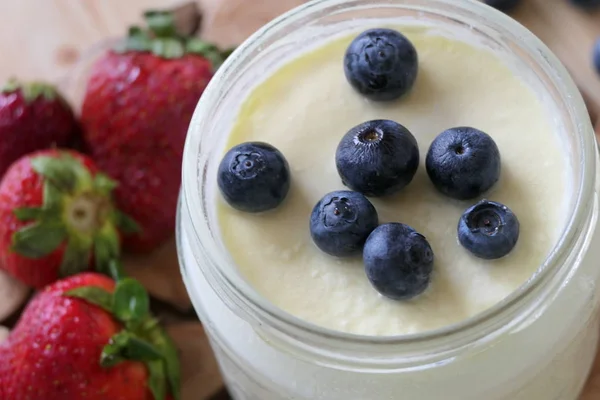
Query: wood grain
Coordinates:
[159,273]
[570,33]
[13,294]
[200,374]
[48,37]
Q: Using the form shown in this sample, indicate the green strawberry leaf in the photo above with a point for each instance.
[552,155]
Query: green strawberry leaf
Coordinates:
[126,346]
[161,23]
[31,90]
[115,269]
[227,52]
[65,172]
[156,335]
[141,350]
[208,50]
[163,342]
[34,90]
[11,85]
[148,326]
[169,351]
[125,223]
[103,184]
[38,239]
[53,198]
[200,47]
[138,40]
[215,58]
[111,353]
[56,170]
[106,248]
[157,382]
[84,181]
[76,257]
[168,48]
[131,302]
[29,213]
[93,295]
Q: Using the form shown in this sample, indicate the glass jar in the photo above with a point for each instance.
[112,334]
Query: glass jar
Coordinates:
[537,344]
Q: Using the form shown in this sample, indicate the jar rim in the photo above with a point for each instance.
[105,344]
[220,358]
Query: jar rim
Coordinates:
[517,33]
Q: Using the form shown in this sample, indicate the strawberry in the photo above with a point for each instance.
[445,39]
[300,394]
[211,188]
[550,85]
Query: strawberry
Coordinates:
[136,111]
[33,116]
[56,210]
[86,338]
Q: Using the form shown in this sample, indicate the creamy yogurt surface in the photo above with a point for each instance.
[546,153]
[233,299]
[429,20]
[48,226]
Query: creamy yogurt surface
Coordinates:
[305,107]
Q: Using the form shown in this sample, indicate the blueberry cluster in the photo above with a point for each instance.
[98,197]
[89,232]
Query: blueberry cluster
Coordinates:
[379,158]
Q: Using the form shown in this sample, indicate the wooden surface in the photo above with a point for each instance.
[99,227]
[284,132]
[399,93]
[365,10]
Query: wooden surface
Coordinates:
[47,37]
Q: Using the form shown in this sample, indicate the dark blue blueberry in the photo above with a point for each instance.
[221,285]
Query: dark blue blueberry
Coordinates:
[254,177]
[596,55]
[502,5]
[463,162]
[587,4]
[381,64]
[488,229]
[377,158]
[341,222]
[398,261]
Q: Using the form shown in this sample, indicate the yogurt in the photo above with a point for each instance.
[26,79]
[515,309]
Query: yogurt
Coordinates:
[288,322]
[307,105]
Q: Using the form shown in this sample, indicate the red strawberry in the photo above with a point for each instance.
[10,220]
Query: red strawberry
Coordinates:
[83,338]
[33,116]
[136,112]
[56,210]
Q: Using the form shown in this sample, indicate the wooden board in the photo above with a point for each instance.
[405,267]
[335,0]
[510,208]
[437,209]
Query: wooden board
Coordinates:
[570,33]
[48,37]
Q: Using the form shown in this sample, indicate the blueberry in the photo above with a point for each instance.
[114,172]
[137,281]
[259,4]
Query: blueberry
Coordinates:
[254,177]
[488,229]
[377,158]
[596,55]
[502,5]
[463,162]
[381,64]
[588,4]
[341,222]
[398,261]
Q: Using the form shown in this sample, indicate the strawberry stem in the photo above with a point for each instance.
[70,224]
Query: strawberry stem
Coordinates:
[162,39]
[77,209]
[115,269]
[126,346]
[130,302]
[141,339]
[32,90]
[161,23]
